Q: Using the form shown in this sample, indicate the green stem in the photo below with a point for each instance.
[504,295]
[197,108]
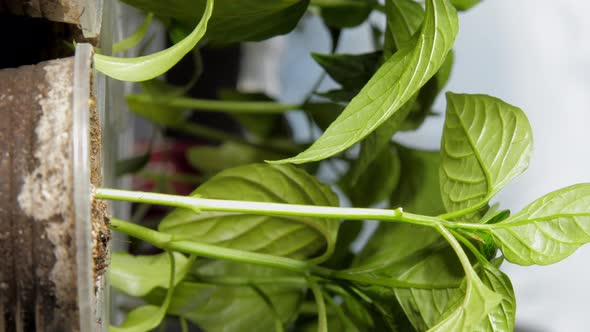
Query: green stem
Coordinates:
[321,305]
[249,107]
[469,246]
[167,242]
[262,208]
[469,272]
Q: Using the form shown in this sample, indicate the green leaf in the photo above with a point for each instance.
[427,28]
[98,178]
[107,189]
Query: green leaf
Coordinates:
[427,95]
[232,21]
[398,79]
[135,37]
[346,14]
[418,190]
[377,181]
[393,251]
[150,66]
[253,20]
[148,317]
[548,230]
[350,71]
[485,144]
[464,4]
[378,140]
[297,237]
[403,20]
[138,275]
[214,159]
[234,308]
[478,301]
[502,317]
[474,302]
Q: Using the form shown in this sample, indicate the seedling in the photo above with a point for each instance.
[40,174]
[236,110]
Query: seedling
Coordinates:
[266,246]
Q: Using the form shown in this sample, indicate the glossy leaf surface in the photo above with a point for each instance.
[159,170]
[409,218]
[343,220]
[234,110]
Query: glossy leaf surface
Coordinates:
[398,79]
[150,66]
[138,275]
[298,237]
[135,37]
[548,230]
[502,317]
[486,143]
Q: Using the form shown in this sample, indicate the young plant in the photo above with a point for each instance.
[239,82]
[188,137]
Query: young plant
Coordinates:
[267,246]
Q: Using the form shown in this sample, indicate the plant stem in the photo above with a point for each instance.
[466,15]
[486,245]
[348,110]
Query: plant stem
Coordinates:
[252,107]
[167,242]
[276,209]
[321,304]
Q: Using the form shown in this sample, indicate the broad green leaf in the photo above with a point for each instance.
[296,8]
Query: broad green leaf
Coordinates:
[378,140]
[394,252]
[253,20]
[398,79]
[141,319]
[502,317]
[427,95]
[297,237]
[148,317]
[403,20]
[377,181]
[214,159]
[418,190]
[135,37]
[345,13]
[150,66]
[232,21]
[138,275]
[478,301]
[485,144]
[548,230]
[464,4]
[350,71]
[473,302]
[235,308]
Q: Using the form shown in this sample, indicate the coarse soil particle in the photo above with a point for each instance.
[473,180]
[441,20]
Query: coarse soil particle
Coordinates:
[101,234]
